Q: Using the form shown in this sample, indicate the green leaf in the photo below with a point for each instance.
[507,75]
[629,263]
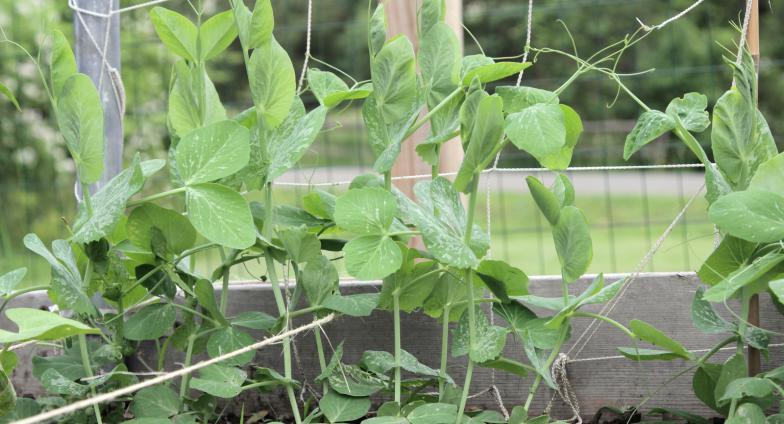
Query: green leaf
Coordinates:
[217,33]
[756,216]
[255,320]
[221,215]
[502,279]
[747,413]
[412,283]
[368,210]
[439,60]
[205,294]
[731,254]
[108,205]
[704,384]
[547,202]
[220,381]
[385,420]
[272,83]
[377,30]
[705,317]
[538,129]
[7,395]
[227,340]
[176,32]
[385,138]
[34,324]
[149,219]
[572,243]
[156,401]
[650,334]
[651,125]
[150,322]
[301,245]
[509,365]
[10,95]
[743,277]
[80,118]
[330,90]
[10,280]
[642,354]
[486,133]
[262,23]
[493,71]
[515,314]
[563,190]
[733,369]
[431,12]
[395,85]
[449,295]
[489,343]
[769,176]
[350,380]
[517,98]
[56,383]
[67,289]
[319,279]
[381,362]
[184,113]
[574,127]
[356,305]
[340,408]
[213,152]
[754,387]
[62,64]
[690,111]
[372,257]
[433,413]
[320,203]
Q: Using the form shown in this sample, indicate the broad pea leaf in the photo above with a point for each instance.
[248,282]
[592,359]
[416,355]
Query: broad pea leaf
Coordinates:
[502,279]
[433,413]
[704,385]
[651,125]
[754,387]
[228,339]
[509,365]
[217,33]
[320,203]
[340,408]
[262,23]
[184,114]
[731,254]
[643,354]
[574,127]
[777,288]
[748,413]
[56,383]
[350,380]
[80,118]
[372,257]
[431,12]
[442,220]
[147,220]
[213,152]
[386,420]
[221,215]
[547,202]
[475,94]
[769,176]
[537,357]
[743,277]
[108,205]
[330,90]
[489,343]
[301,245]
[563,190]
[395,85]
[67,289]
[356,305]
[550,303]
[733,369]
[690,111]
[597,292]
[515,314]
[517,98]
[377,30]
[368,210]
[272,83]
[62,64]
[319,280]
[386,138]
[449,293]
[220,381]
[150,322]
[10,280]
[538,129]
[34,324]
[205,294]
[439,60]
[7,395]
[255,320]
[159,282]
[381,362]
[705,317]
[486,133]
[156,401]
[412,283]
[652,335]
[176,32]
[489,71]
[572,243]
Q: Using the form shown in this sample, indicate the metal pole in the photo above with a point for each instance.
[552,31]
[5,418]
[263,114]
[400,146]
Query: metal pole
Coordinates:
[752,40]
[96,34]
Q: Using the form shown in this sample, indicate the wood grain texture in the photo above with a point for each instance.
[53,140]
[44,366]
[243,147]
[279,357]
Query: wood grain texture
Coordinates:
[663,300]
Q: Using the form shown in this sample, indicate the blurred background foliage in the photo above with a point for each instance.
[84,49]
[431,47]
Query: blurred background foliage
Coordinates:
[36,175]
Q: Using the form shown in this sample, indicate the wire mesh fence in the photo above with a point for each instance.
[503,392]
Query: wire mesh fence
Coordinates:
[626,209]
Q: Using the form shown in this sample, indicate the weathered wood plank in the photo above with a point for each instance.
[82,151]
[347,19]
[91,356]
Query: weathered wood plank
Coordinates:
[661,299]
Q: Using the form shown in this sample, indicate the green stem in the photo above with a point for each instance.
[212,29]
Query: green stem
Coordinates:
[18,293]
[550,359]
[224,299]
[279,301]
[88,203]
[156,196]
[444,349]
[321,357]
[119,334]
[88,369]
[188,357]
[432,112]
[197,313]
[608,320]
[396,317]
[388,180]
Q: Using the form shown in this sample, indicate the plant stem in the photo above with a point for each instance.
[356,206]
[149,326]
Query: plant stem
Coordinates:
[188,357]
[156,196]
[469,273]
[279,301]
[444,349]
[322,358]
[88,203]
[550,359]
[608,320]
[396,317]
[121,324]
[388,180]
[197,313]
[18,293]
[225,286]
[433,111]
[88,369]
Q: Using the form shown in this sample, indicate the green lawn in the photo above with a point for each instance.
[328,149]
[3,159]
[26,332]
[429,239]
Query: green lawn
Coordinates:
[520,235]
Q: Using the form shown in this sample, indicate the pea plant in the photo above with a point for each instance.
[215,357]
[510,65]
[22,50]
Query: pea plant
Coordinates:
[126,276]
[745,196]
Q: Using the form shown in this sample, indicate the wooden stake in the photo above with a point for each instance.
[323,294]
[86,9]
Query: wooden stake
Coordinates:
[752,41]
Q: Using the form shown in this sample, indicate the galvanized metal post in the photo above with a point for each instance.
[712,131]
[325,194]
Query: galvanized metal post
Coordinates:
[97,50]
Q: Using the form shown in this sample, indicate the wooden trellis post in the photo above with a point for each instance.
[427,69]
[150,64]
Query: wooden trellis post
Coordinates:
[402,19]
[92,38]
[752,39]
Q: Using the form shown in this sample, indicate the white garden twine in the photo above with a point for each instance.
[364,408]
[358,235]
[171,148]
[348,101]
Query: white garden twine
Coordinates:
[106,397]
